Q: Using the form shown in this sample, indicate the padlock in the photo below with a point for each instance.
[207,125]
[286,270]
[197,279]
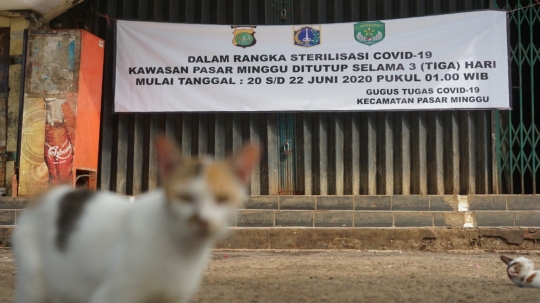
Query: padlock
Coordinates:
[283,14]
[286,149]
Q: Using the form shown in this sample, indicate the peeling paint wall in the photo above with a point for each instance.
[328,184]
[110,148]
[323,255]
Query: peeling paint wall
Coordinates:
[4,22]
[17,27]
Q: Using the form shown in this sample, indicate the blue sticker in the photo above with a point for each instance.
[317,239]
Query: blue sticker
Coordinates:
[71,55]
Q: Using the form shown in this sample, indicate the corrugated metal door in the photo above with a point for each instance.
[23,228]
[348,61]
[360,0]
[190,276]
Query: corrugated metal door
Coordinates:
[382,153]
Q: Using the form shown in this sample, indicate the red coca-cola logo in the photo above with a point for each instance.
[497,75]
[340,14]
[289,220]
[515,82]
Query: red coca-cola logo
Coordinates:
[55,152]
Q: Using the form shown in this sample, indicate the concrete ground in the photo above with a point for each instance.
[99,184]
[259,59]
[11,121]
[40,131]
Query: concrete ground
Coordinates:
[345,276]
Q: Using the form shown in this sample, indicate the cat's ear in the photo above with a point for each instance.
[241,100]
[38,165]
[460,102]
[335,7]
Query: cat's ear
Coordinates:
[168,155]
[244,161]
[513,271]
[506,260]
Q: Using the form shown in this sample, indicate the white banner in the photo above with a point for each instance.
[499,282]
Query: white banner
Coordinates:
[455,61]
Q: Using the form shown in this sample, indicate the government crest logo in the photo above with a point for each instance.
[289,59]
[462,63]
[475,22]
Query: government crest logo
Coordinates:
[307,36]
[369,33]
[244,36]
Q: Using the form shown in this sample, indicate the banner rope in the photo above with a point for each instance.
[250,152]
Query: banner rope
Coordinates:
[107,18]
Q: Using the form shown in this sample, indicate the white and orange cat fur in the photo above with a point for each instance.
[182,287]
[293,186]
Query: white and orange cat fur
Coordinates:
[81,246]
[521,271]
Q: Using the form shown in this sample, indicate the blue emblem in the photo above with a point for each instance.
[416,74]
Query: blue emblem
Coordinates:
[307,36]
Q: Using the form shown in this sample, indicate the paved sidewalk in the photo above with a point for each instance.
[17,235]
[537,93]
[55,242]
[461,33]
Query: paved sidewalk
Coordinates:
[345,276]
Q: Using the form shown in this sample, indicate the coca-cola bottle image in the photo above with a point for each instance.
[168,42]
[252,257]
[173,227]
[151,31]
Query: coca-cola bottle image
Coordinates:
[58,151]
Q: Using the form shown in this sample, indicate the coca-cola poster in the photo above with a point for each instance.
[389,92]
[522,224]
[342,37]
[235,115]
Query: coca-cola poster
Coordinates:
[47,145]
[59,136]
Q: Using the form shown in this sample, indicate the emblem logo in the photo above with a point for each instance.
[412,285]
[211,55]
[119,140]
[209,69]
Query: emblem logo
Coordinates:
[244,36]
[307,36]
[369,33]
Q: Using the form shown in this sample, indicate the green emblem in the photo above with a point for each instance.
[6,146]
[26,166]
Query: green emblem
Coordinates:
[369,33]
[244,36]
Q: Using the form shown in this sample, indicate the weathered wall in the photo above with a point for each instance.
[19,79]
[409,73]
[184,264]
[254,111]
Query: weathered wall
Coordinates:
[16,26]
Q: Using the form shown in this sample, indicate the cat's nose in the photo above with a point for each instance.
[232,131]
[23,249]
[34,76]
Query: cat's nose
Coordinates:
[203,223]
[203,226]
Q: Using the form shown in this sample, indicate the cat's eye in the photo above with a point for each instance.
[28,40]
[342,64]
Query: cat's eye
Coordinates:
[222,199]
[187,198]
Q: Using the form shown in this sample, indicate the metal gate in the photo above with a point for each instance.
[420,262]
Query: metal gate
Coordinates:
[382,153]
[518,137]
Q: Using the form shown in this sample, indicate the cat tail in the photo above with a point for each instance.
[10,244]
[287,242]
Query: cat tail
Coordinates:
[31,287]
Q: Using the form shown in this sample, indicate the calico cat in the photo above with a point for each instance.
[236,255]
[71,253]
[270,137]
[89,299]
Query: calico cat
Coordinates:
[97,247]
[521,271]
